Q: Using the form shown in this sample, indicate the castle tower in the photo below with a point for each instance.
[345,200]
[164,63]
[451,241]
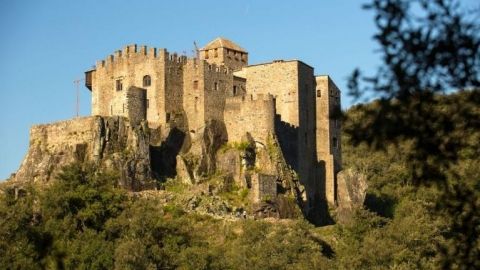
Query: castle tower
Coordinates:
[222,51]
[328,133]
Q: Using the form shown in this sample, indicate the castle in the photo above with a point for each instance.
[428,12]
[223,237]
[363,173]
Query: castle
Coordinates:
[177,93]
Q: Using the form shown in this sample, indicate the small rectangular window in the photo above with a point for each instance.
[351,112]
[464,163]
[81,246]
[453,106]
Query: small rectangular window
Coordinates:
[195,85]
[335,143]
[215,86]
[168,117]
[234,90]
[319,93]
[118,85]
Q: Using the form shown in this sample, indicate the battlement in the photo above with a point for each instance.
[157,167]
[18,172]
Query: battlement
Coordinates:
[252,98]
[134,51]
[175,58]
[213,68]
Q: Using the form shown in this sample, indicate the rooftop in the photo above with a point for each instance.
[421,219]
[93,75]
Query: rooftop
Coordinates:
[221,42]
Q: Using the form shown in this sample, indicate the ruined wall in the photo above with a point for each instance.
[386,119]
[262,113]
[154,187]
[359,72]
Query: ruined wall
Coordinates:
[328,133]
[109,142]
[264,187]
[128,67]
[253,114]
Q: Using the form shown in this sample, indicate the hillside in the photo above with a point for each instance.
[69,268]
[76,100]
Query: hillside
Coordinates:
[84,220]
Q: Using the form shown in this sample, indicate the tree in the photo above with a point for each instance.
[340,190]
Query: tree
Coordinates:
[428,47]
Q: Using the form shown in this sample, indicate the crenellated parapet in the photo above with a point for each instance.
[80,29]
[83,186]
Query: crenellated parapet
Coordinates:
[134,52]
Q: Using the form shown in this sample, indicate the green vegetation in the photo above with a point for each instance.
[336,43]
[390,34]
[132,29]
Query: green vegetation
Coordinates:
[241,146]
[83,221]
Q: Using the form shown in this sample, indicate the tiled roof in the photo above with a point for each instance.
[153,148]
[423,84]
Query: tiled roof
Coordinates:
[223,43]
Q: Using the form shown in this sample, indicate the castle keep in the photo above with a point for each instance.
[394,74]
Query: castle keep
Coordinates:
[176,93]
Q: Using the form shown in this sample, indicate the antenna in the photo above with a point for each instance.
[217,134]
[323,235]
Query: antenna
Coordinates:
[77,88]
[197,51]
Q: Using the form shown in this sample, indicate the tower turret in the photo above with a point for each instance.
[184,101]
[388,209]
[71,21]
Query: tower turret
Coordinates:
[222,51]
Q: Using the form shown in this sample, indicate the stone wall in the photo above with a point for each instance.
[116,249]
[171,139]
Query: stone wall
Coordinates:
[328,133]
[109,142]
[239,87]
[129,67]
[194,94]
[280,79]
[174,113]
[232,59]
[218,81]
[292,84]
[136,105]
[252,114]
[264,187]
[306,131]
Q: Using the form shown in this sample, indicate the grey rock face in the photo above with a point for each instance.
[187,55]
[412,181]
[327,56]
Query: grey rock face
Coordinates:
[352,189]
[110,143]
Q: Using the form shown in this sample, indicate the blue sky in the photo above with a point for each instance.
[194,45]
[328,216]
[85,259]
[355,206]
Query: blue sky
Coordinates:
[47,44]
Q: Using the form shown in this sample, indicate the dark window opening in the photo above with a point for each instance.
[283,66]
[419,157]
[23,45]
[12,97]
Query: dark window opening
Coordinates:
[335,143]
[234,90]
[147,81]
[168,117]
[195,85]
[319,93]
[118,85]
[215,86]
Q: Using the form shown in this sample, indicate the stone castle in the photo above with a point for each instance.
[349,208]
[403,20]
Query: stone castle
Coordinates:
[178,96]
[211,121]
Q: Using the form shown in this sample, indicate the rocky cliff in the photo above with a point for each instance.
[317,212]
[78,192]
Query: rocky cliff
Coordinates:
[111,143]
[254,174]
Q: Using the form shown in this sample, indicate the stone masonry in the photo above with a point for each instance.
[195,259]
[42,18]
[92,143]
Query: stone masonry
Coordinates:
[281,98]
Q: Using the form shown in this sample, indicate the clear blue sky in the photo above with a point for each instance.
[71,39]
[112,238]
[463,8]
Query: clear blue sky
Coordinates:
[47,44]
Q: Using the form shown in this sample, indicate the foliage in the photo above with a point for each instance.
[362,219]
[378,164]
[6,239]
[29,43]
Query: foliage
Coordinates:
[83,221]
[428,48]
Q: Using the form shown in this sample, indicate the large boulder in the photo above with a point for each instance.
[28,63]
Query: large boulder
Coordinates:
[204,146]
[352,189]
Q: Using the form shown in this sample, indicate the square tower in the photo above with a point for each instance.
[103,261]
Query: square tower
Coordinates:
[222,51]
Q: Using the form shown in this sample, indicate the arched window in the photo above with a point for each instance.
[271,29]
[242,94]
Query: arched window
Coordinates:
[147,81]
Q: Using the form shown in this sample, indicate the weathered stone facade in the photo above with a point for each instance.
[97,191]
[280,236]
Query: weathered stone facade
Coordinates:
[282,98]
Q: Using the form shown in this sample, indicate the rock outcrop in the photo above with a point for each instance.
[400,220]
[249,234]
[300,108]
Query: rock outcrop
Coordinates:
[352,188]
[111,143]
